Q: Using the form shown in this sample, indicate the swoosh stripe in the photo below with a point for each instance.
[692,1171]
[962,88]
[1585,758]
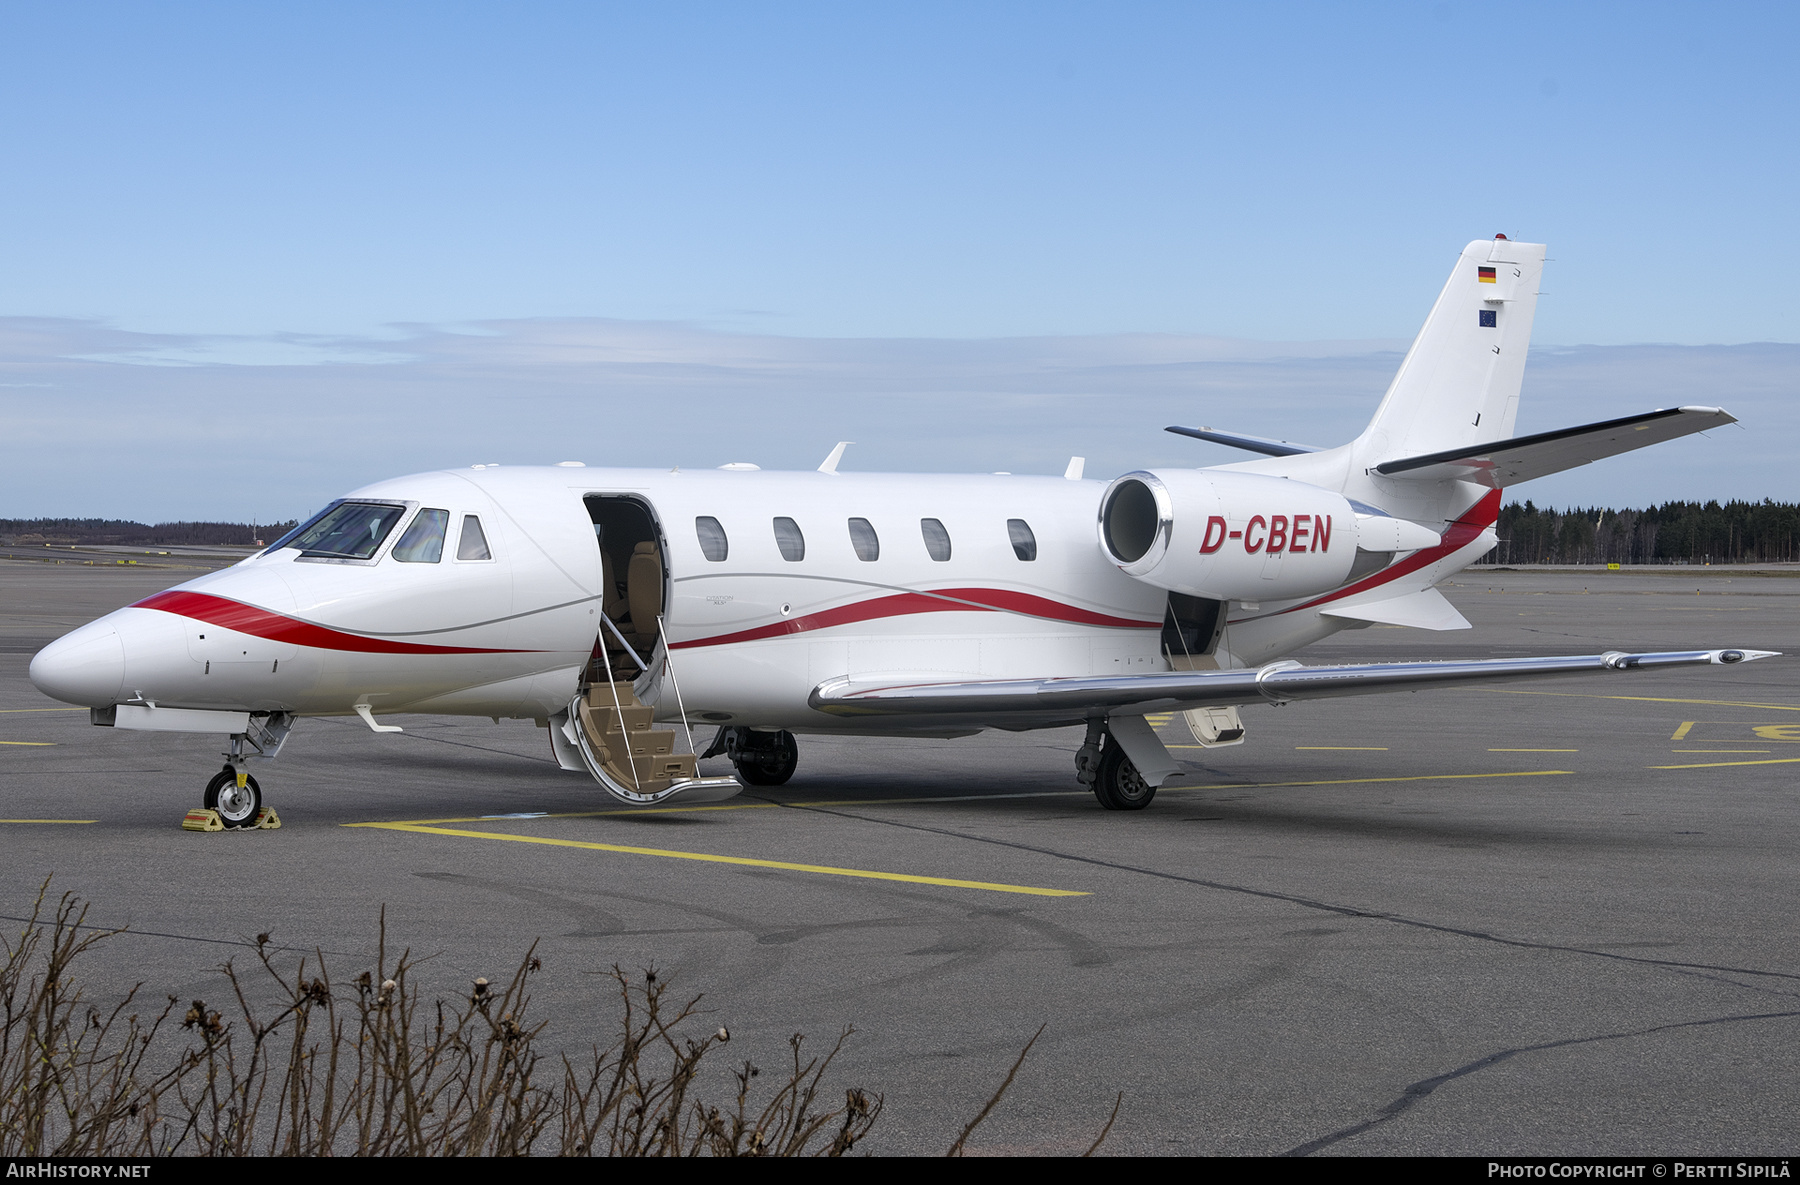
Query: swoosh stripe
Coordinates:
[947,600]
[1462,532]
[260,623]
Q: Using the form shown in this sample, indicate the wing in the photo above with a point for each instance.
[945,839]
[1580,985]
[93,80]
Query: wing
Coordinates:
[1508,462]
[1040,703]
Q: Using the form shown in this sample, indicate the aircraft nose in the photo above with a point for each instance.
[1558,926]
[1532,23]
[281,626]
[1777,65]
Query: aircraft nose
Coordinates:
[85,667]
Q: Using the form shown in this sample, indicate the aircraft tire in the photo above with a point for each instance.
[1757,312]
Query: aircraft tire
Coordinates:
[235,809]
[770,766]
[1117,783]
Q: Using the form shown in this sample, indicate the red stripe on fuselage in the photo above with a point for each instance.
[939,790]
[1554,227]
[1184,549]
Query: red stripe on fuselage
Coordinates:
[260,623]
[943,600]
[1461,533]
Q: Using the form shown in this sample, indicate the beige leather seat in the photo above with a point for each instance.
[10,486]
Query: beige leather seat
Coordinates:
[644,593]
[612,602]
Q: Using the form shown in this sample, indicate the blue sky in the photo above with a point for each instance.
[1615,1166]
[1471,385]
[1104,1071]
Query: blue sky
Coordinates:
[274,189]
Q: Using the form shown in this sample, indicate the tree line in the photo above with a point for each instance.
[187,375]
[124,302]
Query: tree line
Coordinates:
[1673,533]
[27,531]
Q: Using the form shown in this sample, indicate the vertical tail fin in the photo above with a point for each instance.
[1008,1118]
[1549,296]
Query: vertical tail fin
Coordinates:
[1459,384]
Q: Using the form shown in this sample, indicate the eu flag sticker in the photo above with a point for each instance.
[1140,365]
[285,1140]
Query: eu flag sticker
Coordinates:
[1489,318]
[1486,275]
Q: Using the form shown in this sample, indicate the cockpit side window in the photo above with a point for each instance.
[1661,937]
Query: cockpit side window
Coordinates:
[347,531]
[423,541]
[473,545]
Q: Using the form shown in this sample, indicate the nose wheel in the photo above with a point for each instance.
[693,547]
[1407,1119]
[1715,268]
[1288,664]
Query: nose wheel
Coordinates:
[235,795]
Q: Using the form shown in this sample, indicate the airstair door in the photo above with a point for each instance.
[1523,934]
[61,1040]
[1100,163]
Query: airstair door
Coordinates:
[609,727]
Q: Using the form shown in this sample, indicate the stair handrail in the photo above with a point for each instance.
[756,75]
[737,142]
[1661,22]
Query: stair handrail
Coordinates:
[612,685]
[669,666]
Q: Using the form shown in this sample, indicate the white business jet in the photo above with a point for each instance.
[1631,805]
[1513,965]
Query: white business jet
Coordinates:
[600,602]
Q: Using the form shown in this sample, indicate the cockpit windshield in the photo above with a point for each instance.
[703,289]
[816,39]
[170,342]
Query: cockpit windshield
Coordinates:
[345,531]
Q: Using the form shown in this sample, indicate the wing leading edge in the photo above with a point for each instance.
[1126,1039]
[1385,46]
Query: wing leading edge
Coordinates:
[1034,703]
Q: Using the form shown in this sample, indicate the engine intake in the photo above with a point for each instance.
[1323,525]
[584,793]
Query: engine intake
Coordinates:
[1228,536]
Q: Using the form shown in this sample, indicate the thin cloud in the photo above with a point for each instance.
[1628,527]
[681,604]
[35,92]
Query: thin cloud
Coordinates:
[112,422]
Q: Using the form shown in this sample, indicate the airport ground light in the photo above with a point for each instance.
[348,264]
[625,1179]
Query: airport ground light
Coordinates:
[366,1068]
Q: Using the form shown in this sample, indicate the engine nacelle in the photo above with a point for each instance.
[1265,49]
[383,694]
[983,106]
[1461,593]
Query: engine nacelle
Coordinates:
[1228,536]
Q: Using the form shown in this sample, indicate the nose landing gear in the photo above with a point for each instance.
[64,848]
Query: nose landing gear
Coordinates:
[233,800]
[236,797]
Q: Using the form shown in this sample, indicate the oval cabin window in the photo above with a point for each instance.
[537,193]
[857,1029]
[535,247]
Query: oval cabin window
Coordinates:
[937,539]
[1024,543]
[713,544]
[864,540]
[789,539]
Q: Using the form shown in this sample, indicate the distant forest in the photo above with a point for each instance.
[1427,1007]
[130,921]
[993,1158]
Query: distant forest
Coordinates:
[17,532]
[1673,533]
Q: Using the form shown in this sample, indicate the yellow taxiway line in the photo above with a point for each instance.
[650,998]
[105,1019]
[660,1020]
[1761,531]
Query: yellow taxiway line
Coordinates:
[13,711]
[49,820]
[1715,764]
[1642,699]
[1522,773]
[32,744]
[745,861]
[1344,748]
[734,806]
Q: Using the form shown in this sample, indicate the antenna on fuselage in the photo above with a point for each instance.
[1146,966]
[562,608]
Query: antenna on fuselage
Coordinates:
[1076,465]
[837,454]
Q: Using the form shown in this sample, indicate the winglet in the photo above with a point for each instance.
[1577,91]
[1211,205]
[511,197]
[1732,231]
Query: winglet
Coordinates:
[837,454]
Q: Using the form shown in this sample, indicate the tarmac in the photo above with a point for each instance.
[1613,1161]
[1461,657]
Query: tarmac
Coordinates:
[1557,918]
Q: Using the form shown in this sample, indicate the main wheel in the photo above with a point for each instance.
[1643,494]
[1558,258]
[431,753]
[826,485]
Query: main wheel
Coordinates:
[1118,784]
[770,763]
[237,807]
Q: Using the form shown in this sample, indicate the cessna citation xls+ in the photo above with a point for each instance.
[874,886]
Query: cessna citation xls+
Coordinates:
[601,602]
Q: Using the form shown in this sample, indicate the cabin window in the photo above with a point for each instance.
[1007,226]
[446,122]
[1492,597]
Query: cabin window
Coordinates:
[789,539]
[937,540]
[423,542]
[1023,541]
[473,545]
[713,544]
[864,539]
[347,531]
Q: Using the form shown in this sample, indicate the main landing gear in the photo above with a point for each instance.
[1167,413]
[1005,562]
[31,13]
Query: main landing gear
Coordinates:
[761,758]
[1102,765]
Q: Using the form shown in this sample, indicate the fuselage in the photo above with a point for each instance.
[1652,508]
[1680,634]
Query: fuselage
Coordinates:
[769,584]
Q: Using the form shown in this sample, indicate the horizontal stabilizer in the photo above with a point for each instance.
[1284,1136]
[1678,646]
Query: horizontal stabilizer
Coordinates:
[1508,462]
[1037,703]
[1426,609]
[1255,444]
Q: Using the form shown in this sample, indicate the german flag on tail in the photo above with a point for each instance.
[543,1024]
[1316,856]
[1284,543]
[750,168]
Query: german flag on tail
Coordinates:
[1486,274]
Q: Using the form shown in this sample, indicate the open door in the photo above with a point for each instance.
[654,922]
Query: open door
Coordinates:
[608,729]
[1191,630]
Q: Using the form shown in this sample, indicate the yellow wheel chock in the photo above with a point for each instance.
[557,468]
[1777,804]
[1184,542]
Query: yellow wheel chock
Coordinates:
[203,818]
